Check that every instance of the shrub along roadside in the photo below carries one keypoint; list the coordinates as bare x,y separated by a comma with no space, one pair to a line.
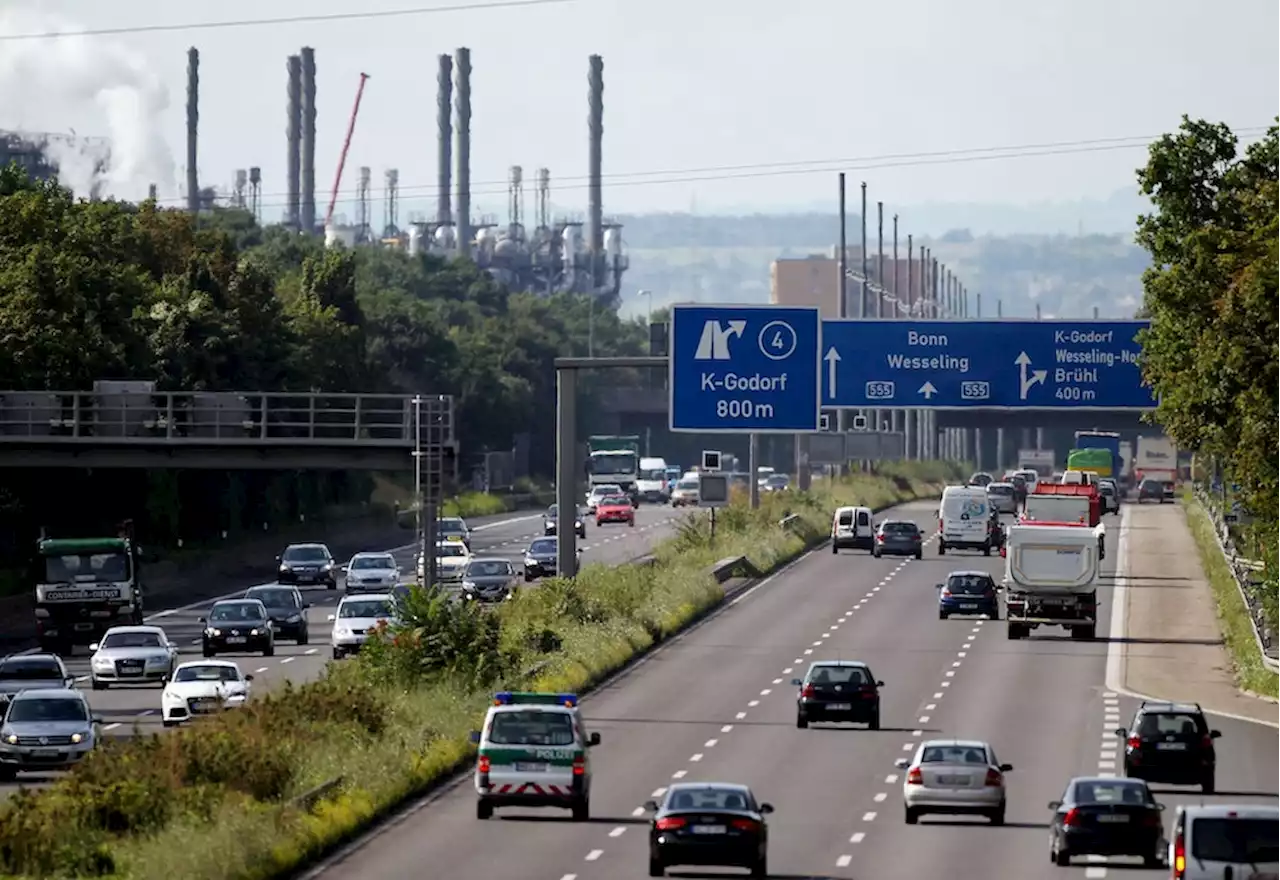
220,800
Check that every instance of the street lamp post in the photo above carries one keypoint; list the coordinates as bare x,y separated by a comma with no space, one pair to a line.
419,521
648,295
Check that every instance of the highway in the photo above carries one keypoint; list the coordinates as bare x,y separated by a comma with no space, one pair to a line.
716,704
121,708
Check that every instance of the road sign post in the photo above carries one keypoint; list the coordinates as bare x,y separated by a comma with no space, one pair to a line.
745,369
1077,365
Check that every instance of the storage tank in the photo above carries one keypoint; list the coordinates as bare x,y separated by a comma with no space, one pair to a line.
415,239
445,238
485,240
335,235
613,242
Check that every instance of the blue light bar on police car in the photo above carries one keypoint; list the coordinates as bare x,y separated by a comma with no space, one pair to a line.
534,698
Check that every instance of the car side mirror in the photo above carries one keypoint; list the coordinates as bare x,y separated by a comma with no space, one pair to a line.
249,677
1159,807
1005,768
96,719
938,586
331,618
94,647
202,620
902,763
594,740
765,809
69,681
1215,734
879,684
797,682
474,737
1121,732
164,680
651,806
342,568
1055,805
277,559
306,605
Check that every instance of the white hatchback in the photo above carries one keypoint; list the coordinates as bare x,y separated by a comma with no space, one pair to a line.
954,777
355,618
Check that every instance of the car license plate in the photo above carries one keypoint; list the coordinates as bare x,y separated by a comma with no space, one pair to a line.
131,670
1171,747
968,606
236,640
708,829
530,767
958,781
839,707
1113,818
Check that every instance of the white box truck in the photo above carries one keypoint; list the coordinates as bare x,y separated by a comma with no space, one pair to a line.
1051,579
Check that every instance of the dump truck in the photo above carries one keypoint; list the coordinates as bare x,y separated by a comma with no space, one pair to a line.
1051,578
1075,503
85,586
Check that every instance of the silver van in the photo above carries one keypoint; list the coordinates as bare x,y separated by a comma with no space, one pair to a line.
1224,840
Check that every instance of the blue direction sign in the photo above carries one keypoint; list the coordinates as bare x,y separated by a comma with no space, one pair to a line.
745,369
983,365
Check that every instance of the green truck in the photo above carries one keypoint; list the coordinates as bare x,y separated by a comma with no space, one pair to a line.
614,459
85,586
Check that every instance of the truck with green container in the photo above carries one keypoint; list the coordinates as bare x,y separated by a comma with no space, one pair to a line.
1101,449
85,586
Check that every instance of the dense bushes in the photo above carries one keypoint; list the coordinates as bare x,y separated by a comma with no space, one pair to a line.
221,800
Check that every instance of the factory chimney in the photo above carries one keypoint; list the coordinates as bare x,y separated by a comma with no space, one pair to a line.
193,126
308,169
293,135
444,122
595,202
462,62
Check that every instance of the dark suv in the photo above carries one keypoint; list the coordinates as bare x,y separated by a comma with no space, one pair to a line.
287,610
1170,743
307,564
838,690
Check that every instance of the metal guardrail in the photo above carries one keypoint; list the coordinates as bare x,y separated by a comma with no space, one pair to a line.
178,418
1245,573
308,800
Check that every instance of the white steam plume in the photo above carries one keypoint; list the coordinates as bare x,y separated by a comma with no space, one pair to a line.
86,85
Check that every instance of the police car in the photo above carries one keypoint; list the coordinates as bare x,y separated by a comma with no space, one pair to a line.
533,753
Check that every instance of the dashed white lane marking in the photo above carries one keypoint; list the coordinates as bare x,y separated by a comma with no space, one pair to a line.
880,796
818,644
288,660
112,726
310,651
858,837
710,744
808,651
891,779
950,673
740,715
787,671
963,654
947,684
777,681
868,817
766,692
930,707
569,877
618,832
594,854
695,758
916,732
843,861
937,696
753,703
680,774
1095,873
260,670
658,792
957,663
906,747
726,728
924,719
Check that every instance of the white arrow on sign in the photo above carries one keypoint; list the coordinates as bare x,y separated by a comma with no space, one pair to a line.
928,390
832,357
1037,376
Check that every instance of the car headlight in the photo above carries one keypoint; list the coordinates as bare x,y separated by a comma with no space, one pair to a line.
235,698
294,618
101,662
211,631
469,585
529,560
11,739
157,661
284,566
77,738
341,631
255,631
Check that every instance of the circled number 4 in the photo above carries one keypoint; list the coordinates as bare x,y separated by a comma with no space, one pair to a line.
778,342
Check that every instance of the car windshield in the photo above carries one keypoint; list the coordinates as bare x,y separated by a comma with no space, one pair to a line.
305,554
710,798
969,584
232,612
601,491
372,563
553,511
33,669
214,672
1106,489
451,550
531,728
778,480
275,598
365,608
1165,723
687,484
1236,840
452,526
953,755
87,568
1117,791
899,528
839,675
999,489
131,640
654,474
1151,484
615,501
488,568
36,709
545,545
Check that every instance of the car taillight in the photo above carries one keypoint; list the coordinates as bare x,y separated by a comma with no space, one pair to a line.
1072,817
1152,820
579,765
994,777
915,777
670,823
946,594
1134,741
880,538
1179,857
482,765
745,824
869,692
1206,742
807,691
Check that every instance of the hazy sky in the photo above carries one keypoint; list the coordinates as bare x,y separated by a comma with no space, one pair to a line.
689,84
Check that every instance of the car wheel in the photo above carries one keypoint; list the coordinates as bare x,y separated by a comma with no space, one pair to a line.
919,554
581,810
1153,861
208,652
304,636
835,548
337,653
333,585
760,868
997,817
1061,857
986,549
7,774
802,722
656,868
269,650
484,809
168,723
1207,784
528,578
875,553
911,816
874,723
942,615
942,549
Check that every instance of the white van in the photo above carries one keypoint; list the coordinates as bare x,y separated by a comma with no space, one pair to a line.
1212,842
964,520
853,527
652,484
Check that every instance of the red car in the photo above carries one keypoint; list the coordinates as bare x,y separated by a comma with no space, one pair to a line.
615,508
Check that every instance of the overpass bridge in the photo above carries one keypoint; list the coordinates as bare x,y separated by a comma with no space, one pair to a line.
225,430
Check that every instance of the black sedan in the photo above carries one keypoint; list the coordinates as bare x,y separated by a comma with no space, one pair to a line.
540,559
836,691
1105,816
896,537
551,522
307,564
287,610
1151,490
709,824
240,626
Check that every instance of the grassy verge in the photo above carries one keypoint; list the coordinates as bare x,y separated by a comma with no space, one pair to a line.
229,798
1233,617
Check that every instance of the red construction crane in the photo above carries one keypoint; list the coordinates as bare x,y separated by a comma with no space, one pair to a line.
346,145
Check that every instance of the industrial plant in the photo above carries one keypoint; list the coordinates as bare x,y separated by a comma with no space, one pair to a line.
531,251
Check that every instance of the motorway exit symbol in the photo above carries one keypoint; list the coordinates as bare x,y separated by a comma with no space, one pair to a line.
745,369
983,365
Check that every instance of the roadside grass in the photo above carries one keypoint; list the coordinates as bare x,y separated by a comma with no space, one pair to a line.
228,799
1233,616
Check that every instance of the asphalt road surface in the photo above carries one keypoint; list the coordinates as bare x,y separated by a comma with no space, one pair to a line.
123,708
716,704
